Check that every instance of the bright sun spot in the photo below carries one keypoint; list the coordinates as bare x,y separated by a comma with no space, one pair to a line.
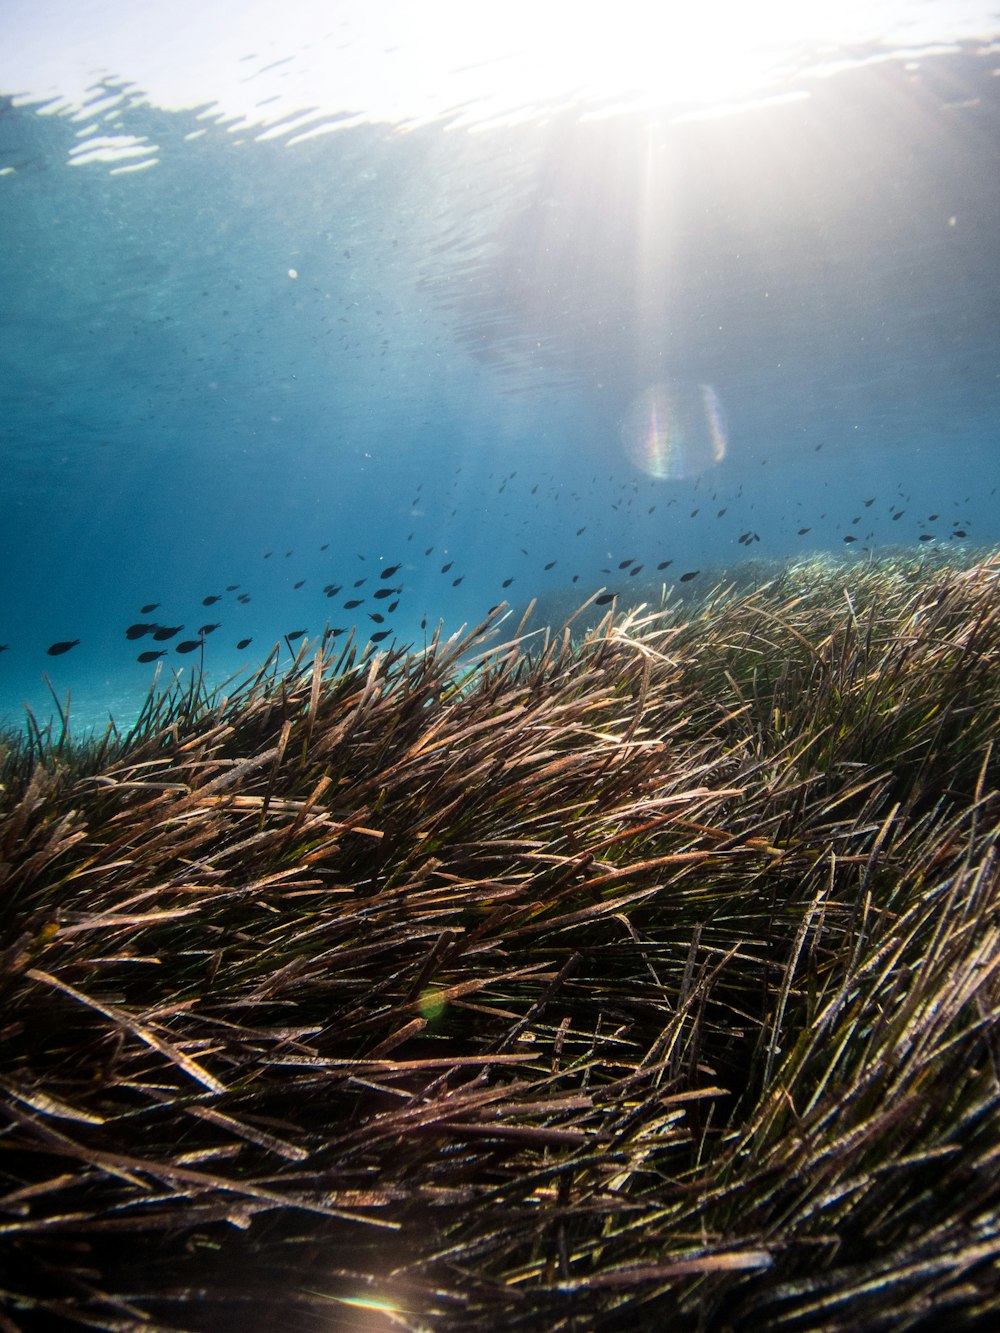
259,63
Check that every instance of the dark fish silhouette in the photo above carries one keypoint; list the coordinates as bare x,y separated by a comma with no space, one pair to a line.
927,536
960,532
392,606
382,593
388,572
210,601
506,583
355,601
244,643
299,584
691,574
148,609
663,564
377,617
151,656
849,538
296,634
63,646
869,503
803,531
624,564
604,599
137,631
207,629
164,632
188,645
4,647
231,587
445,568
551,565
382,634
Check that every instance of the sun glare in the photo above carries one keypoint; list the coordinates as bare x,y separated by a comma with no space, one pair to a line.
471,62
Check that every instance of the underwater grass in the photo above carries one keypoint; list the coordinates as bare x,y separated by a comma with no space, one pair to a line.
646,976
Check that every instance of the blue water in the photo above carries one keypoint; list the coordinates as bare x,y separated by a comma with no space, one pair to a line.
529,352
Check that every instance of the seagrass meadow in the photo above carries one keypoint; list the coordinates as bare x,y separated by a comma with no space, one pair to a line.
642,975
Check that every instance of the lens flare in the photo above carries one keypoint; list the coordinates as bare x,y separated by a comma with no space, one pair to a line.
675,430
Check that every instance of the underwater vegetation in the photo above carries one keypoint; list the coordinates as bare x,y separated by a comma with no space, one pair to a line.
643,975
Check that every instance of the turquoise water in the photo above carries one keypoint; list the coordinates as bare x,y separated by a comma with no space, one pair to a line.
512,357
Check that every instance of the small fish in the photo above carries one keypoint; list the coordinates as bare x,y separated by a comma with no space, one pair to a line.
151,656
380,635
637,569
231,587
4,647
389,570
691,574
899,514
164,632
849,538
624,564
960,532
188,646
325,546
63,646
445,568
551,565
296,634
720,513
300,584
207,629
359,583
392,606
663,564
382,593
694,513
869,503
927,536
931,517
803,531
148,609
456,582
210,601
604,599
244,598
377,617
355,601
244,643
137,631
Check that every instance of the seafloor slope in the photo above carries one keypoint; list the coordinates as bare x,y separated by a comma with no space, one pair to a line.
643,978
